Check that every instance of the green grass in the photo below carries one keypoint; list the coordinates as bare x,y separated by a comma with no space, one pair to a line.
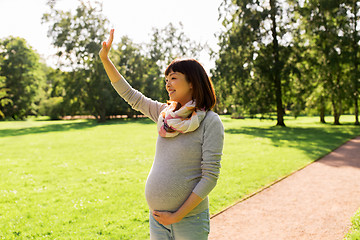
257,153
82,180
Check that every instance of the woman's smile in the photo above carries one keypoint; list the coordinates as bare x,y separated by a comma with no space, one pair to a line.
178,88
171,92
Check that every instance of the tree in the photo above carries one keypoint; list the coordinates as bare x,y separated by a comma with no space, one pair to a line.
52,101
166,45
351,9
254,54
307,87
4,100
130,62
23,77
326,24
78,37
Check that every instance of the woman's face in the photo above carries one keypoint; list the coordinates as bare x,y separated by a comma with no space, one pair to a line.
178,88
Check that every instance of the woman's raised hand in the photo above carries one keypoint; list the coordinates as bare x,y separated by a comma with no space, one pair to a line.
107,45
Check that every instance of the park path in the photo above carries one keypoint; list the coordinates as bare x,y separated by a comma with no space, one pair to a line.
315,203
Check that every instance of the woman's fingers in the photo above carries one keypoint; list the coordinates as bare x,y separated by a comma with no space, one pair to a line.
107,45
111,38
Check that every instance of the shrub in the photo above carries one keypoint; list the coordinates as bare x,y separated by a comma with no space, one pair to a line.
355,229
52,107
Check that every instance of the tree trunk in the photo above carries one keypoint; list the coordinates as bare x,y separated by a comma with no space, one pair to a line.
337,113
355,73
322,116
356,110
102,114
277,70
322,110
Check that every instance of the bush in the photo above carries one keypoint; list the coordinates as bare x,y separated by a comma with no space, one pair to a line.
355,229
52,107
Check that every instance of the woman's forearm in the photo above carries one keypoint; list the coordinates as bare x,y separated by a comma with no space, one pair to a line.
192,201
111,70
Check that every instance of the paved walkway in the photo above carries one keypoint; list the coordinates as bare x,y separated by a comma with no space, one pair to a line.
315,203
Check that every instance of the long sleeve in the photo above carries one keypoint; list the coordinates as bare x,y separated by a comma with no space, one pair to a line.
211,155
138,101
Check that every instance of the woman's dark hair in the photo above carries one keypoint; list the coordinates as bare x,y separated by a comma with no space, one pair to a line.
203,89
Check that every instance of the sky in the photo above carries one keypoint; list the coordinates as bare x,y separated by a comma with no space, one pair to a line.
134,18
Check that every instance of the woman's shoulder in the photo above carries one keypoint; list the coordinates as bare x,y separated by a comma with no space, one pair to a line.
213,127
212,118
212,115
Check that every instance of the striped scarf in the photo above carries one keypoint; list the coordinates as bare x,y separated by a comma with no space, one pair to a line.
175,119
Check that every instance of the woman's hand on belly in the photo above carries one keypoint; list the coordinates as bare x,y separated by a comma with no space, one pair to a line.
165,218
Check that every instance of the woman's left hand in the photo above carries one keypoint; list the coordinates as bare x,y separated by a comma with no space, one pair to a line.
165,218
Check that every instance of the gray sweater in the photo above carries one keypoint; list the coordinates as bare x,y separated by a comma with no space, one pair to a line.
183,164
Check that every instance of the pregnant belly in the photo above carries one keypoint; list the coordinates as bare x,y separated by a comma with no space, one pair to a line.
167,190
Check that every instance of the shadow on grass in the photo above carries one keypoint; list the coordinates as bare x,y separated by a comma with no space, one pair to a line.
60,126
316,142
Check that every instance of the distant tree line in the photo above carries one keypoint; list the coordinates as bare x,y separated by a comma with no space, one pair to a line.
29,87
276,56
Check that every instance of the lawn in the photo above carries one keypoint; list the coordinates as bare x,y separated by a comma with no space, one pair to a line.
77,179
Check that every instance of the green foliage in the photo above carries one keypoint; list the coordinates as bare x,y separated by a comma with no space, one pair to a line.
350,50
298,56
82,180
4,100
52,107
170,43
166,44
254,60
354,233
78,36
304,53
21,78
329,43
132,64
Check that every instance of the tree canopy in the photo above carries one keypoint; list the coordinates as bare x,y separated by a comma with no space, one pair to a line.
288,56
21,78
276,57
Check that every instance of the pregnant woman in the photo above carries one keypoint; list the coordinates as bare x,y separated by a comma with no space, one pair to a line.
188,149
